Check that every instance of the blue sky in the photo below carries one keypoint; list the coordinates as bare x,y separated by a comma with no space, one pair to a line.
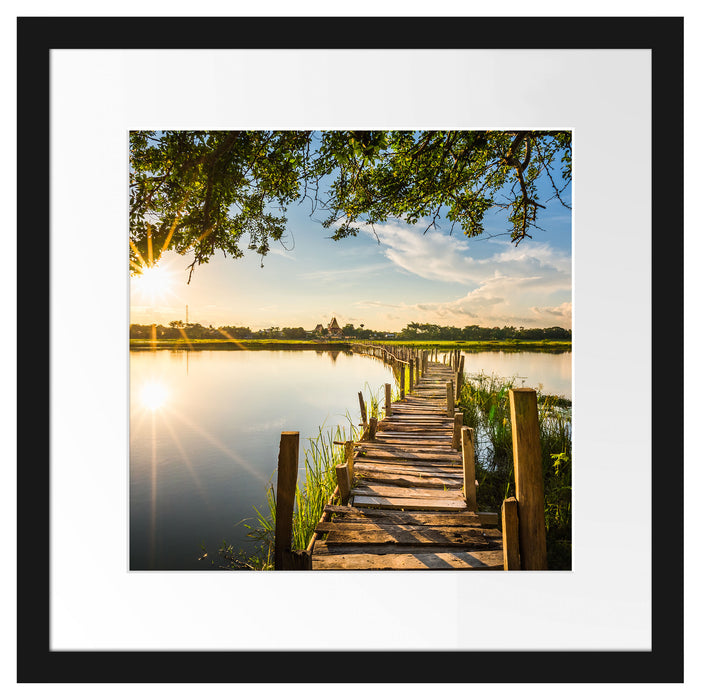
384,284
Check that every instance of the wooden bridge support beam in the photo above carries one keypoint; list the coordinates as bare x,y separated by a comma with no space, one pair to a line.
529,487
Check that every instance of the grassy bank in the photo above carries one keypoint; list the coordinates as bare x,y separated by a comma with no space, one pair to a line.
484,401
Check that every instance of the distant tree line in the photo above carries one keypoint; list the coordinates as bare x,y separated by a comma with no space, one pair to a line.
413,331
430,331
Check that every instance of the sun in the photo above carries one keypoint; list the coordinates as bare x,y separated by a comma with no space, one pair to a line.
153,282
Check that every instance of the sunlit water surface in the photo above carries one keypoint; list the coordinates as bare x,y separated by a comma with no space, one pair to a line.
205,429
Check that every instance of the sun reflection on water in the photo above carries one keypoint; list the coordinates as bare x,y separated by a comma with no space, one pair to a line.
153,395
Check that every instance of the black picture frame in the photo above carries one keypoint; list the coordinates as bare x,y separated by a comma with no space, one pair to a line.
37,36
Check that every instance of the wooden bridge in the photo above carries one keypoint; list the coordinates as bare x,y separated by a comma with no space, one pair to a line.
406,493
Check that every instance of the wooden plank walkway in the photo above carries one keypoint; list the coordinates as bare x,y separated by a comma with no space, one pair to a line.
407,508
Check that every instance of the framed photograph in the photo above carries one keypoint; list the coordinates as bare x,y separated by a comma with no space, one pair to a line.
107,107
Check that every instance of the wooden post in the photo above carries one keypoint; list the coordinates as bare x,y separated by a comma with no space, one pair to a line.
402,380
529,487
461,364
457,385
468,459
389,410
412,377
450,400
511,538
343,481
362,406
349,454
373,422
285,496
456,434
417,368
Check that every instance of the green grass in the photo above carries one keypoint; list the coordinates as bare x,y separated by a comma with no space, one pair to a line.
312,493
485,403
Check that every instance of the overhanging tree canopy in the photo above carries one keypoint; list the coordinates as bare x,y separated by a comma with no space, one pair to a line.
200,192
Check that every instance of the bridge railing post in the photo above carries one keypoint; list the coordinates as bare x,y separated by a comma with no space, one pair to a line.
529,486
285,498
468,461
450,400
373,423
362,407
349,454
389,410
456,433
511,537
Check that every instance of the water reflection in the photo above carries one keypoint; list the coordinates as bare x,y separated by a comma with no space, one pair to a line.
548,372
204,434
205,429
153,395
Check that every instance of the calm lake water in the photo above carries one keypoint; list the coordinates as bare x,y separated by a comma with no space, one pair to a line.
205,429
546,371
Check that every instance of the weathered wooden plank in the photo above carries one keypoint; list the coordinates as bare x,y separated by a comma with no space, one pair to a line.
417,470
411,428
430,424
442,443
404,449
488,519
420,535
422,559
420,503
411,436
429,421
407,462
379,515
410,480
434,456
369,489
445,448
333,548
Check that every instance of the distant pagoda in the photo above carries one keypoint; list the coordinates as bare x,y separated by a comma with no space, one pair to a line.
333,328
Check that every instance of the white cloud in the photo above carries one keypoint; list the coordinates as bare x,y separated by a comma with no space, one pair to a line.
439,256
512,285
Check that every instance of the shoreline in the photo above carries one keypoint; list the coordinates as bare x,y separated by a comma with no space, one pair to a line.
274,344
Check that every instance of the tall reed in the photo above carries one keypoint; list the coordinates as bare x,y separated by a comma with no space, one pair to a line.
484,400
